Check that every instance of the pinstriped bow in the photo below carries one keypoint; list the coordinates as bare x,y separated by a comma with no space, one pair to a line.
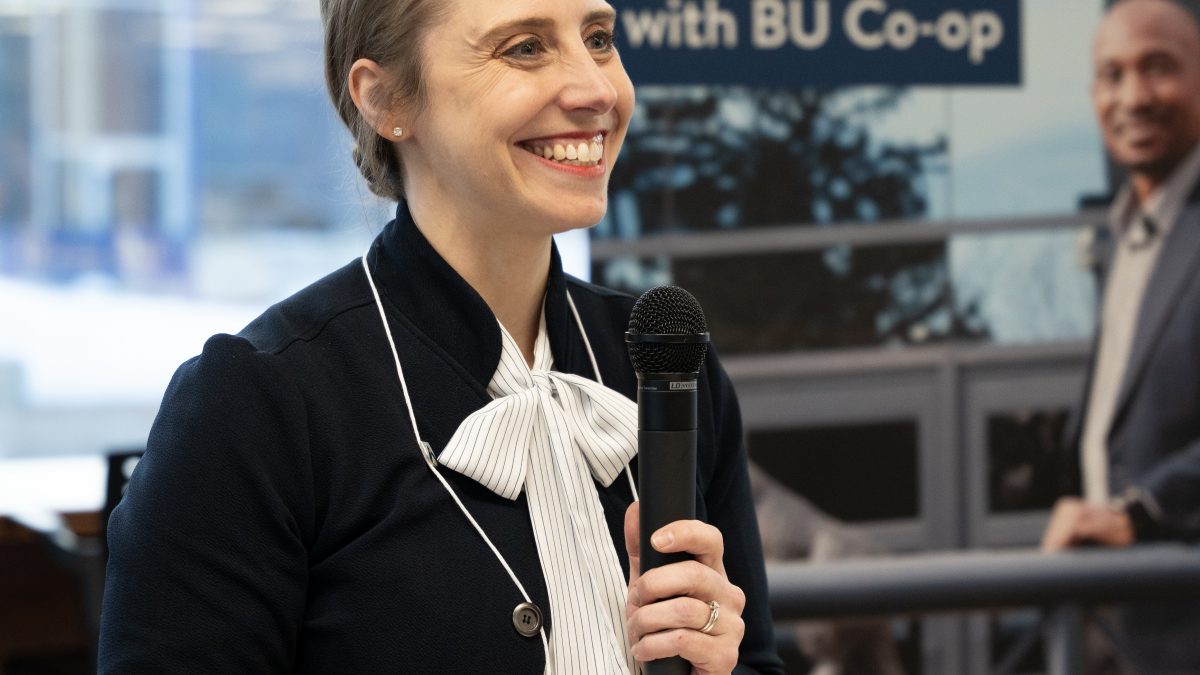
550,434
492,444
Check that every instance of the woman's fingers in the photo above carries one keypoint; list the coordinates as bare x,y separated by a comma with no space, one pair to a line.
669,606
632,537
692,536
706,653
681,613
685,579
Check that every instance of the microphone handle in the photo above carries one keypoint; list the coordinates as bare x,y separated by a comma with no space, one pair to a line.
666,481
666,486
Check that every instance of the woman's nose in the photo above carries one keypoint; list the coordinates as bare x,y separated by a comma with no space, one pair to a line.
586,85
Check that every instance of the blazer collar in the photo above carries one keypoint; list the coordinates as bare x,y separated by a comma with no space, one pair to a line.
441,305
1174,269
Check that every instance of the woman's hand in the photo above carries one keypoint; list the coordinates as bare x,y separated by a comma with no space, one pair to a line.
668,606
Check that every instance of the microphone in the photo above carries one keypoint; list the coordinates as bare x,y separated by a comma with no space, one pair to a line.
667,341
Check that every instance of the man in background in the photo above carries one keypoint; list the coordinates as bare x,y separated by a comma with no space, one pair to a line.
1138,461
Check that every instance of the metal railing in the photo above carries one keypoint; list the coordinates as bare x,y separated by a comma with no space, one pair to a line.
1061,584
794,238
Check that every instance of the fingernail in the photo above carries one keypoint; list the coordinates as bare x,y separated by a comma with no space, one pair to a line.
661,540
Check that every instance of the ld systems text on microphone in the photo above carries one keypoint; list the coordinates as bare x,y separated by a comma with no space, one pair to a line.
667,341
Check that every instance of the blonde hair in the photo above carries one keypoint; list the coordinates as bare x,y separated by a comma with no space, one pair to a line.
388,32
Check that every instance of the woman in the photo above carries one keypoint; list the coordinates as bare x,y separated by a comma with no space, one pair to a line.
412,465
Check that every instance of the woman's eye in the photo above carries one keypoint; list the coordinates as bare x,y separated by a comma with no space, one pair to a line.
525,49
601,40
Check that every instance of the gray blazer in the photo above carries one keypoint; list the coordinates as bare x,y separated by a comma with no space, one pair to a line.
1154,440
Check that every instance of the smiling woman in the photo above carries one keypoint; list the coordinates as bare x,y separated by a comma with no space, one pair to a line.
416,463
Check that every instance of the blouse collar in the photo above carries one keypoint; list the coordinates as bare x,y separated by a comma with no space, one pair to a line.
439,303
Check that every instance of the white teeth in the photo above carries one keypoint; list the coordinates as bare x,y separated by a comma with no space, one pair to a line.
581,154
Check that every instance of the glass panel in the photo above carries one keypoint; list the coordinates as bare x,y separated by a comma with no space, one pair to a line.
131,72
135,198
1004,288
878,459
1025,454
632,275
269,151
840,297
1028,286
701,159
15,131
141,256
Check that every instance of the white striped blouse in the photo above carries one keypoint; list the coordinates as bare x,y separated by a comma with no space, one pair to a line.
550,433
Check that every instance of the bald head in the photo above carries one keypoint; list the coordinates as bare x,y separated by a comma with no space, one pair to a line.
1146,87
1168,18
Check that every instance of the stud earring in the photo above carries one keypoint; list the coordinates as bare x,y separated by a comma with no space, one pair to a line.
398,132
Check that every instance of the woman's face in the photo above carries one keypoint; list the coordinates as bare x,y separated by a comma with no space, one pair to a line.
508,84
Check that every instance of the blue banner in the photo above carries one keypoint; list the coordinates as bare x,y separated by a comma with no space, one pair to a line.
790,43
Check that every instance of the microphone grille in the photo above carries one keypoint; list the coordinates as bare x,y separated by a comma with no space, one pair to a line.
667,310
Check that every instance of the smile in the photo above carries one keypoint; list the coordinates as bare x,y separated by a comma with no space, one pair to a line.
572,152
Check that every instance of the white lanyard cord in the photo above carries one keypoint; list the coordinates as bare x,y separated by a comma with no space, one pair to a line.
599,379
427,450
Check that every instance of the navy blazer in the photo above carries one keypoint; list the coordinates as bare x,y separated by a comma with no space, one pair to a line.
284,520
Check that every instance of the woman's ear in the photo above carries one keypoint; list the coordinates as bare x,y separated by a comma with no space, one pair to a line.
368,84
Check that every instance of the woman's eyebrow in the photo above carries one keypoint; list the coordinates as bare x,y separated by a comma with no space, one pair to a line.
606,14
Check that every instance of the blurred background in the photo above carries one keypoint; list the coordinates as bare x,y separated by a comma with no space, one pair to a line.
899,277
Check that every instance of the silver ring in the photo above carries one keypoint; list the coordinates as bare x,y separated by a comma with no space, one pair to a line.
714,611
